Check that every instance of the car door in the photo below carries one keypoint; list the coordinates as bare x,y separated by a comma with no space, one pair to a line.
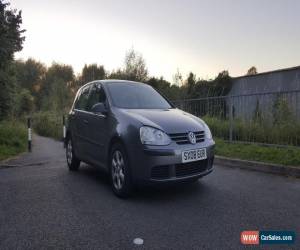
98,127
80,121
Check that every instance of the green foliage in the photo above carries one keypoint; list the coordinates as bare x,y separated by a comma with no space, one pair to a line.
24,103
11,40
221,84
283,155
252,71
56,94
218,127
92,72
7,91
48,124
283,133
190,82
135,67
117,74
30,75
281,111
13,138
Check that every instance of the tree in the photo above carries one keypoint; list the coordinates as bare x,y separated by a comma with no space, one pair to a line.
221,84
252,71
135,67
56,93
92,72
11,38
178,79
117,74
154,82
11,41
190,83
24,103
30,75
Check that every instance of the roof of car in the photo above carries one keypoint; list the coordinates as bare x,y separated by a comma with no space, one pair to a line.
116,81
111,81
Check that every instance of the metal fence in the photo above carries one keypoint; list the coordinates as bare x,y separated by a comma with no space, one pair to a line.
269,118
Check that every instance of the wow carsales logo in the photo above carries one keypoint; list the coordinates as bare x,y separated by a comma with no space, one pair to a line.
267,237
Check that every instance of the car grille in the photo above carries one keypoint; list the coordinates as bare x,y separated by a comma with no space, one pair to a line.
180,170
160,172
190,168
182,138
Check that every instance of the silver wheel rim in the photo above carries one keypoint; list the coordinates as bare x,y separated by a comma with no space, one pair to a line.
69,152
117,170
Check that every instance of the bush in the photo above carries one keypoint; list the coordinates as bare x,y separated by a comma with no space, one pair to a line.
48,124
218,127
285,133
13,138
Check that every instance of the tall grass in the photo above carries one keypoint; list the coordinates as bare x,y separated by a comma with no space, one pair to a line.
13,138
285,133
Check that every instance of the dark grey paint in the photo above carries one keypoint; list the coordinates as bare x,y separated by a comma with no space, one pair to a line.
94,133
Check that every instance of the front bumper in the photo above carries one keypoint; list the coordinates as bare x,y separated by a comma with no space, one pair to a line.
163,164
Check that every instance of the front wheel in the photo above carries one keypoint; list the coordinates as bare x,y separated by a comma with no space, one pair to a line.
72,160
119,172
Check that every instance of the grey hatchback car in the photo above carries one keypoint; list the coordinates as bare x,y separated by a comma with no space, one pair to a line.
136,135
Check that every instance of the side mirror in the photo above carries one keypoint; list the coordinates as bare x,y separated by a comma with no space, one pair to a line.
99,108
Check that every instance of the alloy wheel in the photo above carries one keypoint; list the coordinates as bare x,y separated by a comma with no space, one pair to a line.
69,152
117,170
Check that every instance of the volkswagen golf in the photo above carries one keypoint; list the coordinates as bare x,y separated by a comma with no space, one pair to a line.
136,135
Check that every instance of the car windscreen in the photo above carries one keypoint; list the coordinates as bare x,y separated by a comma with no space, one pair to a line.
136,96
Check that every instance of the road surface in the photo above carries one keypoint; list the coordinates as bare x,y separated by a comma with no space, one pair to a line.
43,205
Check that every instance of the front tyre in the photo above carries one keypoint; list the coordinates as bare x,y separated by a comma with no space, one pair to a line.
72,160
119,171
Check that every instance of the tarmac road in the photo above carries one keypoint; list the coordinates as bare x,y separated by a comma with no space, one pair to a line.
43,205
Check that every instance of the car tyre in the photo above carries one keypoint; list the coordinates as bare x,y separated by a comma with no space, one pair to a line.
72,160
120,175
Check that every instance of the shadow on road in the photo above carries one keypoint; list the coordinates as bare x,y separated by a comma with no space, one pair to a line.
152,193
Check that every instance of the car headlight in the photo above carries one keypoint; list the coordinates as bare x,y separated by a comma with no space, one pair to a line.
208,134
153,136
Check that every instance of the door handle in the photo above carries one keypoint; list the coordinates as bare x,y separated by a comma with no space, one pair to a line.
85,121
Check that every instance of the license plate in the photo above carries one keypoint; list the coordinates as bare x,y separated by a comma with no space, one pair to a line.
193,155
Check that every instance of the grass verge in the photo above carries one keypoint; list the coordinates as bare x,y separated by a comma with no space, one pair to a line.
13,139
284,156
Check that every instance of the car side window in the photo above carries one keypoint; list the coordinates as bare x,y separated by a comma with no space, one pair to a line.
97,95
82,101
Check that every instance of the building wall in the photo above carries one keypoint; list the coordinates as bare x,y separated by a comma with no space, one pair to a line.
259,85
275,81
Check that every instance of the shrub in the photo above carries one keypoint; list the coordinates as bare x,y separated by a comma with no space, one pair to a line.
13,138
285,133
48,124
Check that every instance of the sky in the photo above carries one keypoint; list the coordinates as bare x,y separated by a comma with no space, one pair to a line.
204,37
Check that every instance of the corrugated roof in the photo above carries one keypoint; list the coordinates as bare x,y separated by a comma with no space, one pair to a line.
269,72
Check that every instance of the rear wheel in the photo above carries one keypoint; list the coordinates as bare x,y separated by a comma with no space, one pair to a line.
119,171
72,160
